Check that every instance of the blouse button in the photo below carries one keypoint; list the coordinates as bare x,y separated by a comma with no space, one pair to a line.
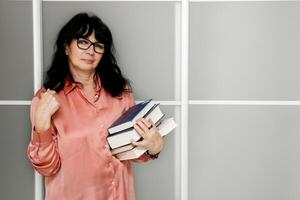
113,183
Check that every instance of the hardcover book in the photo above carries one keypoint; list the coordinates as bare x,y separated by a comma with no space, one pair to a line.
124,137
127,119
164,128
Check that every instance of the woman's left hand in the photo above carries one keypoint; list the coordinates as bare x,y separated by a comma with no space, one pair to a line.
152,140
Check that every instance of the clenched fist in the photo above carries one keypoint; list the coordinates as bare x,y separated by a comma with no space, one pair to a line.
45,108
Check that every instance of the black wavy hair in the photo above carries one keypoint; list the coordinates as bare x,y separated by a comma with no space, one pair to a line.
82,26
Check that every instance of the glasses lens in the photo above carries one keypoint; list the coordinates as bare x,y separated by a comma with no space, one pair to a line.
99,47
83,44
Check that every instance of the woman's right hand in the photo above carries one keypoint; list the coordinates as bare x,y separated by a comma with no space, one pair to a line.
46,107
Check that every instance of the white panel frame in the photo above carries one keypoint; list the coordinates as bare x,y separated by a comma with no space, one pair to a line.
177,92
181,102
184,98
38,75
14,102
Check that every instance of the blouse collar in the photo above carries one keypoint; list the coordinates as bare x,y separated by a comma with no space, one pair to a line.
70,85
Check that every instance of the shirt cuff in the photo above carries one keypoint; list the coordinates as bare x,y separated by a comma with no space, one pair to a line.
42,136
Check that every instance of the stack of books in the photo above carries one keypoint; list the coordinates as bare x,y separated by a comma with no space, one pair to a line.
121,132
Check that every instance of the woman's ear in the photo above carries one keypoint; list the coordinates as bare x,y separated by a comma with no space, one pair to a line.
66,49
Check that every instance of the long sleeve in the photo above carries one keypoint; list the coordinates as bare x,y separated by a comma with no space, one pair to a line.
42,150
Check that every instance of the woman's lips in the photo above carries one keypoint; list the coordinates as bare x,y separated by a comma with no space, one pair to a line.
88,61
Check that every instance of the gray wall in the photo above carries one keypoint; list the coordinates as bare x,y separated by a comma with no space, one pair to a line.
16,83
244,51
238,51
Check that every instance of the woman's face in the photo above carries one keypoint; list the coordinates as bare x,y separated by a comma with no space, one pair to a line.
83,60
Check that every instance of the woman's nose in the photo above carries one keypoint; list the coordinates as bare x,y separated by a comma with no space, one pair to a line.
91,50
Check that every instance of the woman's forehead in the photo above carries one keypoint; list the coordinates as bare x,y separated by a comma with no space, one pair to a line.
93,35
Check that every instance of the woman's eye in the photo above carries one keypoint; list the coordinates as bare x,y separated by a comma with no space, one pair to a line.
99,45
83,42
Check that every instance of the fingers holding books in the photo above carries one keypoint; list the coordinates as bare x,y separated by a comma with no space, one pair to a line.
141,128
145,127
152,125
152,140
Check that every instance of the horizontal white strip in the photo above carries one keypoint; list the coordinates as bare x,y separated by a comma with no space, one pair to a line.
111,0
231,102
158,0
241,0
243,102
10,102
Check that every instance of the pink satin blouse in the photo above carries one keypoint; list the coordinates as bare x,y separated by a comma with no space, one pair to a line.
73,153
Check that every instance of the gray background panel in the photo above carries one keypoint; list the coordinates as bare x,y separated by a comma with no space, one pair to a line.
16,52
244,50
17,175
244,152
155,179
143,34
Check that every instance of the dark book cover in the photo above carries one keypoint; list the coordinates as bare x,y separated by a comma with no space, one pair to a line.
125,120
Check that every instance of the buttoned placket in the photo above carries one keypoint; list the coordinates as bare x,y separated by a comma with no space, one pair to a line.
94,102
106,146
109,159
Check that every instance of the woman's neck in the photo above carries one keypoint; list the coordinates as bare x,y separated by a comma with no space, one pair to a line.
86,79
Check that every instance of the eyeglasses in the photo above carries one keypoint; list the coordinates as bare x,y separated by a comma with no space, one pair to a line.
85,44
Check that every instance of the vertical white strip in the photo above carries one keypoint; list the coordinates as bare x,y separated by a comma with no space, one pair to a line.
177,88
184,97
37,43
37,65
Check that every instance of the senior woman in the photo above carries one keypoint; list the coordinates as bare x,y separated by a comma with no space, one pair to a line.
83,94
